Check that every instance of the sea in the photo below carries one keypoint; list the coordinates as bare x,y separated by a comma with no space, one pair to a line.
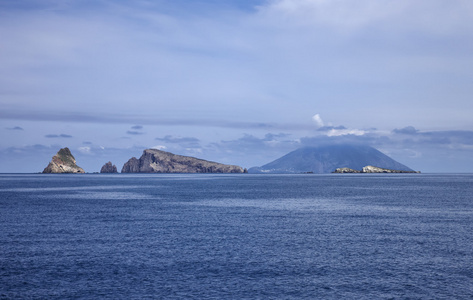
236,236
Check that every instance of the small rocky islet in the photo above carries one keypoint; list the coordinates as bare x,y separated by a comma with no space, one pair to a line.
63,162
109,168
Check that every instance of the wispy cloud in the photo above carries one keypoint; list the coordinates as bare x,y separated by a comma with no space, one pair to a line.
136,130
410,130
186,142
177,140
148,120
85,150
14,128
131,132
269,144
55,136
450,138
329,128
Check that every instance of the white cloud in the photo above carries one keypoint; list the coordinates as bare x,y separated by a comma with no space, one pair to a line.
318,120
159,147
340,132
85,150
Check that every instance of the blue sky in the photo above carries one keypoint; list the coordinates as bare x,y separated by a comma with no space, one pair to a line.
239,82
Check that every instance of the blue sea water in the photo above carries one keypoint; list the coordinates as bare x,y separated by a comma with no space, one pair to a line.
238,236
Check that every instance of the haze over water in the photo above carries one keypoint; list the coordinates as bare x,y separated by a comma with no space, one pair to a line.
236,236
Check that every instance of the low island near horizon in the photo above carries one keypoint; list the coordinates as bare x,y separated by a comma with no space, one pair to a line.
371,169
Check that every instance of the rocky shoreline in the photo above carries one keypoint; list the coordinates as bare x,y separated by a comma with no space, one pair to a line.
371,169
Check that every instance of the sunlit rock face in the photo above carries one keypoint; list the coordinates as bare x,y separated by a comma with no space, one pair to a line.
63,162
373,169
157,161
346,170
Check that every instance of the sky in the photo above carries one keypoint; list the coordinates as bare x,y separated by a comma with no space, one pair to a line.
237,82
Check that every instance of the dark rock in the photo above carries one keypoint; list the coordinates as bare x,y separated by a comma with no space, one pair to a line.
157,161
131,166
109,168
63,162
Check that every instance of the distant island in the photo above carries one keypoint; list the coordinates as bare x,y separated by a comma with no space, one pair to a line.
371,169
325,159
319,160
157,161
63,162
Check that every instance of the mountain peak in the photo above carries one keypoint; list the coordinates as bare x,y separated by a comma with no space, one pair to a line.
327,158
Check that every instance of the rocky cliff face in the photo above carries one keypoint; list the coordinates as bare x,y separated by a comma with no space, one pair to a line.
63,162
109,168
131,166
157,161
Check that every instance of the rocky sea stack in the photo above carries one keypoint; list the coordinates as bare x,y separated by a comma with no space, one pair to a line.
109,168
63,162
157,161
